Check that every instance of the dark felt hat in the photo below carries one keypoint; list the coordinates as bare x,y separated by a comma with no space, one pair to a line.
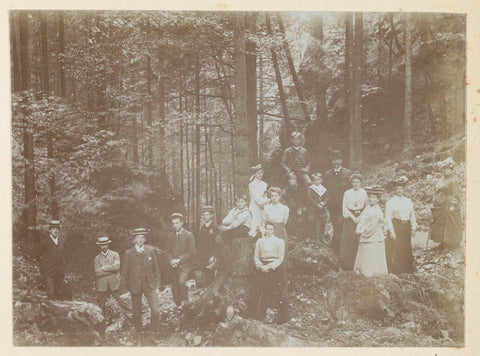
336,154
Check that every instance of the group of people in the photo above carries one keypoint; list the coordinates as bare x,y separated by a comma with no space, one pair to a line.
364,239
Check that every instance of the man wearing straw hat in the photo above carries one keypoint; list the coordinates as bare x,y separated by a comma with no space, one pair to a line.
50,252
140,275
107,271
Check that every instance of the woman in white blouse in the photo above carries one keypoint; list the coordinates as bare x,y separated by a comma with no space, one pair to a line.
354,201
400,223
277,213
258,197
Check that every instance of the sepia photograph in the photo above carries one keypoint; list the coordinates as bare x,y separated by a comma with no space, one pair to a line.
238,178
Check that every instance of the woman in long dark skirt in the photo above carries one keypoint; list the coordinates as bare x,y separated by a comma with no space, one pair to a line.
400,224
446,225
354,201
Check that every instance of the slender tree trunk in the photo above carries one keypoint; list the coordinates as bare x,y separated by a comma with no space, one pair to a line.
16,74
161,117
182,162
135,139
189,182
251,70
379,64
278,76
350,110
260,94
198,188
321,87
61,52
148,106
242,147
293,72
358,81
408,85
30,212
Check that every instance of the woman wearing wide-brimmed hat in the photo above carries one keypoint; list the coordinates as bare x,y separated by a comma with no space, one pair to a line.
446,224
277,213
354,201
370,259
400,223
258,197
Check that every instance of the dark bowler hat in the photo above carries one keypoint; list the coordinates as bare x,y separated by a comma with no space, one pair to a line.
103,240
376,190
256,168
207,208
177,216
54,223
140,231
402,180
336,154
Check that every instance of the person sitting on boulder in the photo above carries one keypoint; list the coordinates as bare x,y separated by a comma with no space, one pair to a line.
237,224
318,197
269,285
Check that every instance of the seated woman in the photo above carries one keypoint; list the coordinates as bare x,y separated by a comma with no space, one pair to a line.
237,224
400,223
446,225
371,247
270,277
354,201
277,213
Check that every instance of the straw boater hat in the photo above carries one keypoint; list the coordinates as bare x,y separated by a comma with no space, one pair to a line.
177,216
256,168
140,231
376,190
207,208
54,223
103,240
336,154
402,180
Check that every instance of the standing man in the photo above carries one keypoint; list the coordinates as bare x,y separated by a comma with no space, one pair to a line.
337,181
206,242
181,254
50,253
140,275
107,271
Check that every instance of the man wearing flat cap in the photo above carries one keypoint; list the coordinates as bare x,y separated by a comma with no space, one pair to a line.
140,275
206,236
337,181
50,253
107,271
181,252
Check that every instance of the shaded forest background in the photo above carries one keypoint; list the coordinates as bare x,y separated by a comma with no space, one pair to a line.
121,118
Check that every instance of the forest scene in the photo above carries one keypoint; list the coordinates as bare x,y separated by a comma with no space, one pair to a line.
122,118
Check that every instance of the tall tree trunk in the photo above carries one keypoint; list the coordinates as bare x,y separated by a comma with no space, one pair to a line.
46,92
16,74
379,64
161,116
148,106
321,87
135,139
350,109
189,181
251,69
408,84
61,52
30,212
198,188
182,162
242,146
101,81
260,95
278,76
293,72
357,95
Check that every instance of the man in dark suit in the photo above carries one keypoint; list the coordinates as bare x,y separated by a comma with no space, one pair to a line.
107,271
206,242
181,250
50,253
140,274
337,181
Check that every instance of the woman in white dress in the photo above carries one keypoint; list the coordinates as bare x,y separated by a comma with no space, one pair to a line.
277,213
371,257
258,197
